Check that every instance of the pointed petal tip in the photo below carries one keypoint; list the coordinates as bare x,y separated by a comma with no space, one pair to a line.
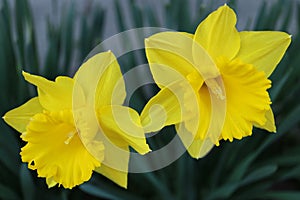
109,52
273,130
111,55
124,186
145,151
225,6
285,35
197,156
288,37
25,75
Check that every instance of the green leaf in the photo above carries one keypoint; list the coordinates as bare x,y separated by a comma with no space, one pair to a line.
260,173
290,120
52,54
7,193
280,195
276,89
27,185
66,33
288,18
252,191
9,151
291,173
106,192
229,188
241,168
223,192
151,17
120,18
136,14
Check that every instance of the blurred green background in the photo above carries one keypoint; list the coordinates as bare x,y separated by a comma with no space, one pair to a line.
263,166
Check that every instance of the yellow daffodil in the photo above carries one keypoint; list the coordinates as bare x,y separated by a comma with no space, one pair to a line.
228,72
98,95
56,139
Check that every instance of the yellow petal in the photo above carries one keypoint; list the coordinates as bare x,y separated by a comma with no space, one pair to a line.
115,164
98,82
247,98
218,35
173,104
119,177
55,150
19,117
169,53
50,182
200,148
197,148
123,127
100,77
161,110
111,86
53,96
263,49
201,133
204,63
205,113
270,123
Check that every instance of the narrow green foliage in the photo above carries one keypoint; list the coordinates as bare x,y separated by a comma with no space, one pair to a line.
27,184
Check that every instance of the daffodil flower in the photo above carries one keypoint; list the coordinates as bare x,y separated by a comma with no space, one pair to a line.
59,145
228,72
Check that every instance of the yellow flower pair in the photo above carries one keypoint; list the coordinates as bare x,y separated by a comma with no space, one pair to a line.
213,86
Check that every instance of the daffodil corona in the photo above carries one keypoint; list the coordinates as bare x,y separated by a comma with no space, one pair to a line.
228,73
61,146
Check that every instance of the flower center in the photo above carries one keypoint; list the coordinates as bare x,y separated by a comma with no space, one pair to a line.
214,86
70,136
64,120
